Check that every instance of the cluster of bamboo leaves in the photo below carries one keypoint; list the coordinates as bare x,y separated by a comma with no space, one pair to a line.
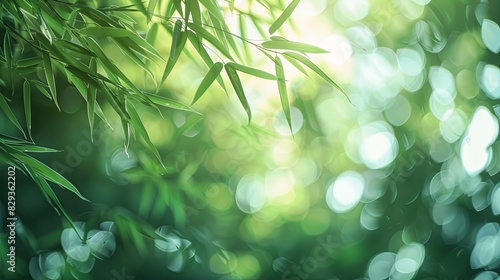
63,40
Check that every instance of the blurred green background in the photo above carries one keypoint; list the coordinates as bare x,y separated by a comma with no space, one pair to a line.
398,181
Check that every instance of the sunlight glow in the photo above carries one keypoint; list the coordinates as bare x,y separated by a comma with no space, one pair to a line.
345,193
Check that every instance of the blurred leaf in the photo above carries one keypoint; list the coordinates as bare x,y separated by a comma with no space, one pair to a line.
292,46
213,9
282,90
252,71
102,244
212,74
91,100
238,88
284,16
33,149
151,9
8,112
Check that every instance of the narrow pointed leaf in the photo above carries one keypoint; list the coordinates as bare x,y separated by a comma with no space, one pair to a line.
204,34
292,46
27,106
8,112
91,100
238,88
179,38
213,9
212,74
151,9
167,102
252,71
194,8
282,90
141,130
302,59
283,17
49,75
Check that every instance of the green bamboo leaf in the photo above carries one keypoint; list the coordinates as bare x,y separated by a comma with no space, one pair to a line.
47,173
304,60
292,46
297,65
49,75
167,102
42,89
27,106
212,74
194,7
140,5
8,55
8,112
91,100
213,9
282,90
151,9
204,34
29,62
204,55
105,31
252,71
179,38
141,130
284,16
152,33
73,47
238,88
34,149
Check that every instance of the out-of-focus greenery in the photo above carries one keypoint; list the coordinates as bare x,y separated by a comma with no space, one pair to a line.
345,139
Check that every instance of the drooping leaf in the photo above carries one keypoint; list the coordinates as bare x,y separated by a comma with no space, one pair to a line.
49,75
8,112
302,59
282,90
27,106
141,130
252,71
91,100
238,88
283,17
292,46
213,9
204,34
45,171
212,74
179,38
167,102
194,7
204,55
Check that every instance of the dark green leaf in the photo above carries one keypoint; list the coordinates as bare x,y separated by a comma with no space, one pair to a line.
284,16
91,100
8,112
49,75
212,74
27,106
167,102
238,88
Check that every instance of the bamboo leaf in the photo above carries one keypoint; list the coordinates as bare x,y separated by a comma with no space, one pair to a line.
194,7
204,34
151,9
91,100
252,71
167,102
27,62
302,59
8,112
292,46
213,9
238,88
283,17
33,149
204,55
27,106
141,130
179,38
49,75
45,171
212,74
282,90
